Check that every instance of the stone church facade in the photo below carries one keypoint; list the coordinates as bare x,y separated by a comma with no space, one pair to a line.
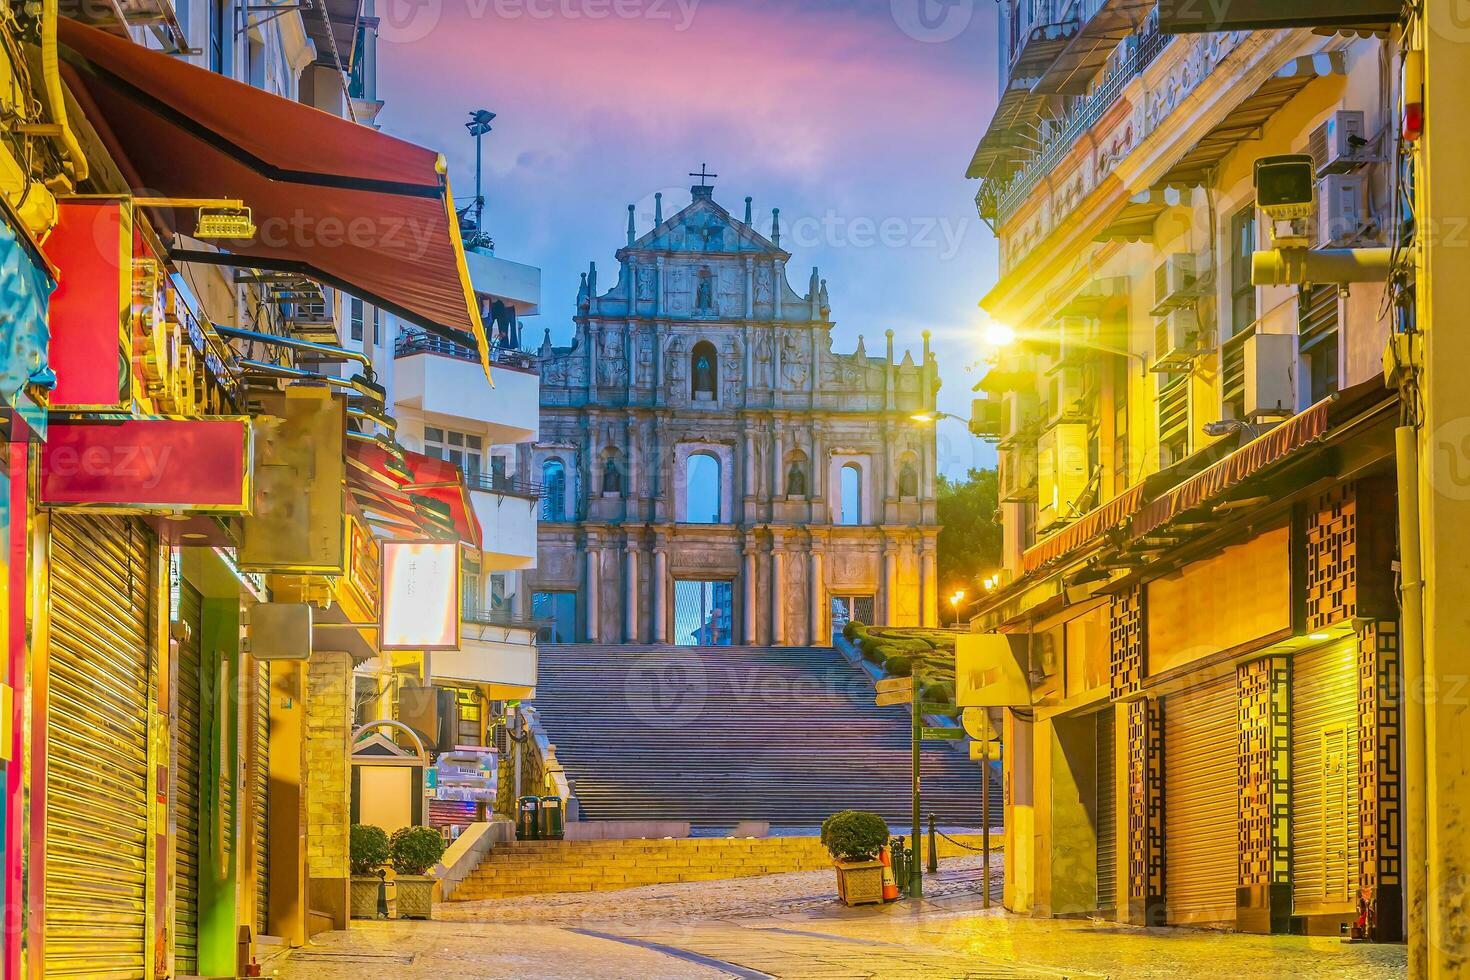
700,374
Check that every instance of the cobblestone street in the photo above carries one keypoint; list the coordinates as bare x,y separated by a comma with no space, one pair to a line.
791,926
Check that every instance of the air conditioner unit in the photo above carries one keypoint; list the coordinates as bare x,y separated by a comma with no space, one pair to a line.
1018,474
987,417
1270,376
1339,145
1176,339
1176,282
1341,209
432,712
1061,473
1078,337
1067,390
1019,414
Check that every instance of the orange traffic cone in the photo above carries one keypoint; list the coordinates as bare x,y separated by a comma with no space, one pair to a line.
890,884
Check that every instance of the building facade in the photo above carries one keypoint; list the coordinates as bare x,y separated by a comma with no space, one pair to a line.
1196,477
713,471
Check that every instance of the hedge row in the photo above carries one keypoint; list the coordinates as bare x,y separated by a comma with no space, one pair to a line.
895,649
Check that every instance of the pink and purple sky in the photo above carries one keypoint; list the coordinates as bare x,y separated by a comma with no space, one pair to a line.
856,118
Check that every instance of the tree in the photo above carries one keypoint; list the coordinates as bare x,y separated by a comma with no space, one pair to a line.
970,535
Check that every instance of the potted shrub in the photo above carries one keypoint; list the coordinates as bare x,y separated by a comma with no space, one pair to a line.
367,853
855,838
414,850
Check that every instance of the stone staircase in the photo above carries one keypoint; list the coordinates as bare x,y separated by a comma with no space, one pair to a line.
714,736
547,867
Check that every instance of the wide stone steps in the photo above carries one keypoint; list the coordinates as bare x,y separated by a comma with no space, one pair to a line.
549,867
715,736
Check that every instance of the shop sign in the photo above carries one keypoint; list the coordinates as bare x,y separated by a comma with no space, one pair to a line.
990,671
420,590
148,464
92,247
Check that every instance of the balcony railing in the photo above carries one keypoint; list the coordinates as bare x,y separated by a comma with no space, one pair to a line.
504,485
1084,115
413,342
500,616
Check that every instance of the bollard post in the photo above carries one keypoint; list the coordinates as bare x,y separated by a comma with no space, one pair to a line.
933,848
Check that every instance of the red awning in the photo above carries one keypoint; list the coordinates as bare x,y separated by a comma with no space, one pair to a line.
411,494
1084,530
1254,456
342,203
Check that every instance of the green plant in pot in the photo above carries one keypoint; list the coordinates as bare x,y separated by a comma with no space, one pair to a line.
414,851
855,839
367,852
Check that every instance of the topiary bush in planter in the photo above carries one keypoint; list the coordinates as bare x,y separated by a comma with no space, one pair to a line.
855,839
899,666
414,851
367,852
854,835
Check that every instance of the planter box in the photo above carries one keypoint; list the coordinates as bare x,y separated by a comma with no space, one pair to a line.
365,897
860,882
416,896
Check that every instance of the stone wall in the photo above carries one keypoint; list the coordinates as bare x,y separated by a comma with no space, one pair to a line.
328,774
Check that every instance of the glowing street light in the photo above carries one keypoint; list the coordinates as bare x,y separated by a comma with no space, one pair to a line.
954,602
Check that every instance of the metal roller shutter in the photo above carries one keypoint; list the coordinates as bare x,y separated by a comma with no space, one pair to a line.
1107,815
97,748
1324,778
262,794
186,787
1201,745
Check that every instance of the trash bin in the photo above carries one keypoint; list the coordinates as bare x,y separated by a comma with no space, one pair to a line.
528,818
551,818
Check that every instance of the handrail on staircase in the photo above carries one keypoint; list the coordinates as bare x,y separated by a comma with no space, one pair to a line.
550,766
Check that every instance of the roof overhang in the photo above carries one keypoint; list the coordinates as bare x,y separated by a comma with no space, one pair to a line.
1074,67
1193,17
1135,223
1246,120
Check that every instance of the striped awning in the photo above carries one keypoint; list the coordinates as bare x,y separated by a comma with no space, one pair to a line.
1085,530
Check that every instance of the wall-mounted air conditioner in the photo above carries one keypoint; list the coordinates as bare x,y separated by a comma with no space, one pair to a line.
987,417
1061,473
1019,413
1018,474
1270,376
1078,337
1177,339
1340,143
1176,282
1068,390
1341,209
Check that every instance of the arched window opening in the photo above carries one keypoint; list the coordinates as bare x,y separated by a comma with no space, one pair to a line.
702,489
704,371
553,491
852,494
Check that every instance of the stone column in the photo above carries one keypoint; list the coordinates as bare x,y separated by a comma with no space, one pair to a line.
658,287
778,596
630,596
749,301
817,614
929,587
660,586
594,610
890,583
778,286
778,460
747,605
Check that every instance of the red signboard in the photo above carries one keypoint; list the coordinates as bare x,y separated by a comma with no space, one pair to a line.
143,464
92,249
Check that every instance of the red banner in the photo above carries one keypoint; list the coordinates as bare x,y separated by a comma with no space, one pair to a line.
147,464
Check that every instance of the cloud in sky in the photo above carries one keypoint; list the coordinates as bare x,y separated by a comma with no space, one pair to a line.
855,117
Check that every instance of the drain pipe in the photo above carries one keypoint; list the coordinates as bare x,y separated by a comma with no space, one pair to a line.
55,95
1413,695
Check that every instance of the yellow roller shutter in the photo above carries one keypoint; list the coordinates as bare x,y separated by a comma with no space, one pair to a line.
1324,780
261,801
97,748
1201,866
186,785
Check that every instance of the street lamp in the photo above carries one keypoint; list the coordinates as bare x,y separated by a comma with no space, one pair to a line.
935,417
954,602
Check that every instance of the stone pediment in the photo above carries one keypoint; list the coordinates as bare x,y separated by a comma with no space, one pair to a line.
705,228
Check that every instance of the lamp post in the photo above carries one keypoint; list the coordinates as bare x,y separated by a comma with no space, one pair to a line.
954,602
478,126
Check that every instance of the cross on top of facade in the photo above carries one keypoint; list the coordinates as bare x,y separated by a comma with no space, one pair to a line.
704,175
